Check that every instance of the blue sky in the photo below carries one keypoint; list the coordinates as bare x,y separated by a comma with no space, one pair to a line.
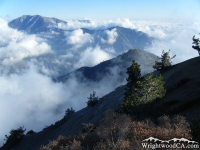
101,9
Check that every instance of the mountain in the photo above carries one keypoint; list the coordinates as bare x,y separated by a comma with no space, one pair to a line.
182,85
114,67
34,24
48,28
70,45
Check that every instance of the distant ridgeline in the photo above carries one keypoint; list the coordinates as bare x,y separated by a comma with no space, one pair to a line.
70,52
119,64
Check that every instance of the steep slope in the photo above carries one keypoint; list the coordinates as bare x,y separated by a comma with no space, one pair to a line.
182,97
114,67
72,125
182,84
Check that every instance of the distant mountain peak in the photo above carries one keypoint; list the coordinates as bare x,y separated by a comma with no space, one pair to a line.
33,24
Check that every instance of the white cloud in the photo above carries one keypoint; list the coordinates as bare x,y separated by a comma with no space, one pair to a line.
29,99
178,38
95,24
78,38
67,55
112,36
33,100
170,34
92,56
15,45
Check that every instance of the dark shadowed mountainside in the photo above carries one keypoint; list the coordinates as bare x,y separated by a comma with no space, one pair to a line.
183,88
119,63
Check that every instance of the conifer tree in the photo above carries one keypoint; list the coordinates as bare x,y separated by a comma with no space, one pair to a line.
150,88
134,73
92,100
142,90
69,111
14,137
165,62
196,43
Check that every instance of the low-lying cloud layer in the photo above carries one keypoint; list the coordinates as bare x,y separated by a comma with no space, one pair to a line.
112,36
92,56
78,38
175,35
15,45
29,100
32,99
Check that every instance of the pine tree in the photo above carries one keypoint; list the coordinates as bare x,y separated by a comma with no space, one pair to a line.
150,88
134,73
140,91
165,62
14,137
196,43
92,100
69,111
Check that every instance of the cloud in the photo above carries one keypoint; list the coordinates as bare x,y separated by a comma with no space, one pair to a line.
92,56
178,38
15,45
175,35
95,24
112,36
30,99
33,100
78,38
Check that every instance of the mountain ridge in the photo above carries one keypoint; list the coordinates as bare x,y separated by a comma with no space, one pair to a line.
177,101
111,41
123,61
33,24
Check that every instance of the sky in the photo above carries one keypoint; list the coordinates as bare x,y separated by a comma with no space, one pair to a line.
102,9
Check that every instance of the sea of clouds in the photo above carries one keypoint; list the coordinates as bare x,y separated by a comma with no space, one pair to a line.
175,35
30,98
